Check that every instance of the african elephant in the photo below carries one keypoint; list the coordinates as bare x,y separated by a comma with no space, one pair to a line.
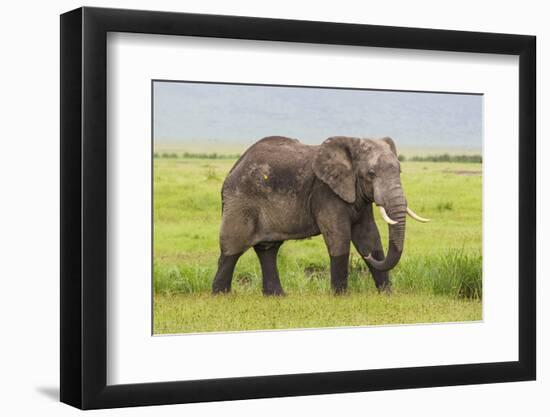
282,189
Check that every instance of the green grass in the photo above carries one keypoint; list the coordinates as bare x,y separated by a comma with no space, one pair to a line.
235,312
438,278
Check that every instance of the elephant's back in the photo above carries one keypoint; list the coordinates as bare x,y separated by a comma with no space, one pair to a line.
267,192
273,148
273,165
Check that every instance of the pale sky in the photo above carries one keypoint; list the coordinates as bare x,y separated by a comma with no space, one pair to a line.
190,112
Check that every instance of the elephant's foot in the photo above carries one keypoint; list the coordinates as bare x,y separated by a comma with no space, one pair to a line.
384,288
274,292
272,286
221,290
340,291
224,275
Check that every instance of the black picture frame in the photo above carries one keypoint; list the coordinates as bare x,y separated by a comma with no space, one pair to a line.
84,207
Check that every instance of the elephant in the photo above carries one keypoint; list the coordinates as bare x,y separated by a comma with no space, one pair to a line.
281,189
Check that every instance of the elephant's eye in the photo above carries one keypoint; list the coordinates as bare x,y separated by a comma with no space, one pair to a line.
372,174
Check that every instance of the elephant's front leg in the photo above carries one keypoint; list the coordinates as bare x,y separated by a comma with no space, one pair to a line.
339,272
336,231
366,239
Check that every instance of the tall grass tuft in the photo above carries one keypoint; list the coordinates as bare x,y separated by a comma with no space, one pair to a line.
182,279
455,273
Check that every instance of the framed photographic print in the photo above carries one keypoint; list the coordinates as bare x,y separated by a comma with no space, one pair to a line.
258,207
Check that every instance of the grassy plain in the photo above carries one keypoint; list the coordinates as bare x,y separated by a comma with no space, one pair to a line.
437,280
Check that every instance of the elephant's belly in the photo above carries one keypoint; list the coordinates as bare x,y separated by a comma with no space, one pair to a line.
285,220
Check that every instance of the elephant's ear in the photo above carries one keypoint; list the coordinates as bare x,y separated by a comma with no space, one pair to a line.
334,166
390,142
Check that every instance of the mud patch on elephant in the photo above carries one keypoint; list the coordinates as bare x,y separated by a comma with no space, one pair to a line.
462,172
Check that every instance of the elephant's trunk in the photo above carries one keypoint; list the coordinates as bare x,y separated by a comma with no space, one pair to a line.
397,211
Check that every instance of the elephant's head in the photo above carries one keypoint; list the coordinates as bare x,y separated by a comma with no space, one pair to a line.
368,170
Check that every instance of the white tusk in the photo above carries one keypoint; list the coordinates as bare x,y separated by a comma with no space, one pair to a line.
385,216
416,216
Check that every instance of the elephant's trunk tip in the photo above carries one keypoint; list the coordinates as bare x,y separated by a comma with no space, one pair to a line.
391,260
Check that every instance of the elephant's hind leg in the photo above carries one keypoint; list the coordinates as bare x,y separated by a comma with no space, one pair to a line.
236,235
226,267
267,253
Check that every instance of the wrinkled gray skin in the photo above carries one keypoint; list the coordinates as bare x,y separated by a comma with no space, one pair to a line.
281,189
